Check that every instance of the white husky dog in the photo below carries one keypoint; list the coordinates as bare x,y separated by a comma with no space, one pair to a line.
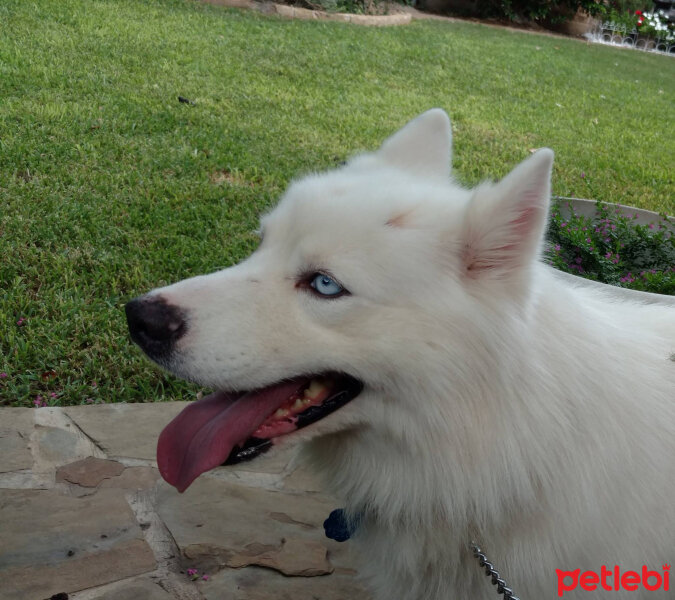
445,382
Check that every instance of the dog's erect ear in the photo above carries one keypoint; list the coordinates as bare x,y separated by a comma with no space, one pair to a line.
505,222
423,146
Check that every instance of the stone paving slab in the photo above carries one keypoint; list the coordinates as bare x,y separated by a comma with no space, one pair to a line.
217,523
53,543
84,512
119,434
89,472
15,429
138,588
255,583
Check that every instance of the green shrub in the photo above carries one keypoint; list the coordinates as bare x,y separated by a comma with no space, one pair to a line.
629,6
555,11
627,19
612,248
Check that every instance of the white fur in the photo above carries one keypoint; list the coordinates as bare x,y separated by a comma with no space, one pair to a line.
501,404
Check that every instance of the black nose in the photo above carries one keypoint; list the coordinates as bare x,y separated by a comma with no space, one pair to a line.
154,324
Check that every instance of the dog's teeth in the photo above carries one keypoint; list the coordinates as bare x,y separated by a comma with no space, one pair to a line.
281,413
298,404
316,386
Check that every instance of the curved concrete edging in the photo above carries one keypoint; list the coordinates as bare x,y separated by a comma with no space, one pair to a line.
616,292
294,12
586,208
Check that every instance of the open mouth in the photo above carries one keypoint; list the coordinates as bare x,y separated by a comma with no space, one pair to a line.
227,428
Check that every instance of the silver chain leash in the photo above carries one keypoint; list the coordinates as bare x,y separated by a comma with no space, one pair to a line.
490,571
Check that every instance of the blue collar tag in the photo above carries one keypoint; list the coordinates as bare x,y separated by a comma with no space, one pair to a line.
338,527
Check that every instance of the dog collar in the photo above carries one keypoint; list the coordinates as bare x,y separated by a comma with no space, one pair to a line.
490,571
340,528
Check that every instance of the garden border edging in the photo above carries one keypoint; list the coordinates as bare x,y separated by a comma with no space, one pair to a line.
306,14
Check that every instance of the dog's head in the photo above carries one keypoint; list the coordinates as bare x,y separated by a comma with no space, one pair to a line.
365,277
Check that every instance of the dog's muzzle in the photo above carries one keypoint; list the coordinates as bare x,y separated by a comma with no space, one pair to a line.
155,325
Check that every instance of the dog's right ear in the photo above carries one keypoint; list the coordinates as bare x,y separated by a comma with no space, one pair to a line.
423,146
504,223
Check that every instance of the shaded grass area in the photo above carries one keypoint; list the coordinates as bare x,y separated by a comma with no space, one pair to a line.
109,186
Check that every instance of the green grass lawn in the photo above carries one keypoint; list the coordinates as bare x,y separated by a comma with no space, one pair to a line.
109,186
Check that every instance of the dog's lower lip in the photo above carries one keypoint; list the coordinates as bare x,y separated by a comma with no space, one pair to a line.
255,446
252,447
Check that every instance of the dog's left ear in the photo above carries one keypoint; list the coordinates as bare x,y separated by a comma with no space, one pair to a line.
423,146
505,222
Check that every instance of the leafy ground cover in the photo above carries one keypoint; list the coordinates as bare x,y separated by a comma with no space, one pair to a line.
110,186
611,247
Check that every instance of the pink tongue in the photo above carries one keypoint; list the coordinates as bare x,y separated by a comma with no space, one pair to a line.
202,436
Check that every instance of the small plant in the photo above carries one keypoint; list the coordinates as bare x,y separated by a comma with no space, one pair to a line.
194,575
612,248
622,18
647,23
655,25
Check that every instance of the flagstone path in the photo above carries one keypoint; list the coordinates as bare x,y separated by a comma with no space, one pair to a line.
84,515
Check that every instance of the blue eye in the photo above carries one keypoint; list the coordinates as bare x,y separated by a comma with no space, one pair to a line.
326,285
